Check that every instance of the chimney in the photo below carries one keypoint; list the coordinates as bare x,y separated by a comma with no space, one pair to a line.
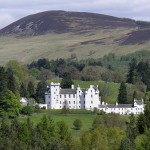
72,86
116,103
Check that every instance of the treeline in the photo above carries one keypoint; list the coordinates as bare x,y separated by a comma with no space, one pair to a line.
85,70
110,68
16,82
139,72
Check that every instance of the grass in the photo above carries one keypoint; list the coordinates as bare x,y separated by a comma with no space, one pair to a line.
53,46
87,120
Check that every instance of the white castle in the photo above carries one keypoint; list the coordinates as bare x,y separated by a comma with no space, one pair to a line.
81,98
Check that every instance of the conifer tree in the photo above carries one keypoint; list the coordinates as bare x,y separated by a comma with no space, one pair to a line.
132,76
122,96
30,89
11,83
40,91
3,80
23,91
66,81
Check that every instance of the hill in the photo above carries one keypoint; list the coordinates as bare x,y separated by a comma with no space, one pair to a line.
60,34
62,22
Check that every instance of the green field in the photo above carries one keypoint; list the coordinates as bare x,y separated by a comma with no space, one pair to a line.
87,120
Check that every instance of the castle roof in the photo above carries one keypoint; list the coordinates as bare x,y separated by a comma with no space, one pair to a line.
116,106
68,91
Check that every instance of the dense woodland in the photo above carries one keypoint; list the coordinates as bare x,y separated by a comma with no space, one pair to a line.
108,132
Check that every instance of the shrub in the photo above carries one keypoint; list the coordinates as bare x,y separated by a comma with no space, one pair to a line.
77,124
27,110
37,109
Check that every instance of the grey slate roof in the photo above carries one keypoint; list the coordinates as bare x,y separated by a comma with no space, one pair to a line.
68,91
117,106
120,106
139,102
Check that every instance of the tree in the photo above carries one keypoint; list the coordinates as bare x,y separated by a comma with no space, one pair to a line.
126,144
11,82
23,91
91,73
122,96
66,81
40,92
77,124
10,104
27,110
132,131
132,76
3,80
30,89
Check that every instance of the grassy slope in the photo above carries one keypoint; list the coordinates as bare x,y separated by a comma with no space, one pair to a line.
87,120
54,46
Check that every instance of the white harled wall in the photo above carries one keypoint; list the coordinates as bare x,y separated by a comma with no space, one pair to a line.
80,100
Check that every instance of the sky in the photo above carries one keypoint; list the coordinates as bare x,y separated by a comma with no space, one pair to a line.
12,10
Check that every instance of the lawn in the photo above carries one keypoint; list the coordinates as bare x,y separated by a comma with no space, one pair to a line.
87,120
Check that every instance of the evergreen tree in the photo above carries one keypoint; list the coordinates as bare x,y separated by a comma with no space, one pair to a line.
144,73
30,89
132,131
66,81
132,76
11,83
122,96
40,92
23,91
3,80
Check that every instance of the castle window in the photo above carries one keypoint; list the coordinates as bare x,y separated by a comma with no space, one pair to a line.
74,95
60,96
91,102
56,89
79,101
91,91
65,96
60,102
49,97
79,106
74,102
49,102
91,95
84,102
60,106
84,96
69,102
69,95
